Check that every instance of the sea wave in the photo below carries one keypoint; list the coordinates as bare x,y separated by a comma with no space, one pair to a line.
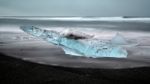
139,19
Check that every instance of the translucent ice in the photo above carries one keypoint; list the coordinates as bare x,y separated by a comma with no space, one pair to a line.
119,39
86,47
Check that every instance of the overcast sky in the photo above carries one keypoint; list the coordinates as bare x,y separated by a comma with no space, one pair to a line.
74,7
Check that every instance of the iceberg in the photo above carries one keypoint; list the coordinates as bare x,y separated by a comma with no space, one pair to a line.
87,47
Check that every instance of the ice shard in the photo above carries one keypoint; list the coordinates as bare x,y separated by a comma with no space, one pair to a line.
86,47
119,40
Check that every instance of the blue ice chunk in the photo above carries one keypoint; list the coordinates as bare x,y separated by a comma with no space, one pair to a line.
88,49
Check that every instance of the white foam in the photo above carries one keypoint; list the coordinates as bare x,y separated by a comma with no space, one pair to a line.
134,19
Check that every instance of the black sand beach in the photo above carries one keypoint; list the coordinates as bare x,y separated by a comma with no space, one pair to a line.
26,60
17,71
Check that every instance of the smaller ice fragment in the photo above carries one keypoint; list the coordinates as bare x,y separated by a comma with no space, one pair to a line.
118,39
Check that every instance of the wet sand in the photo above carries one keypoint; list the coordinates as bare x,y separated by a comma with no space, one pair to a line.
44,53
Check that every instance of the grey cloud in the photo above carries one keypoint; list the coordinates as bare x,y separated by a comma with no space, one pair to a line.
77,7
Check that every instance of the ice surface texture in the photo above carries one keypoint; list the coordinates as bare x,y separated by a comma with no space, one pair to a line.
87,47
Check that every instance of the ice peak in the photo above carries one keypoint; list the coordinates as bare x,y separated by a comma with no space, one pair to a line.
119,39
